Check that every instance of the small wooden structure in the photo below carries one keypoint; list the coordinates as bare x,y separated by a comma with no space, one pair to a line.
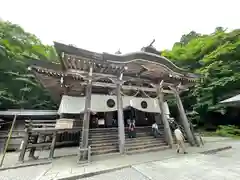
40,134
18,131
82,73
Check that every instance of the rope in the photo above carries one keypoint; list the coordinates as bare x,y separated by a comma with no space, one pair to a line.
148,95
131,96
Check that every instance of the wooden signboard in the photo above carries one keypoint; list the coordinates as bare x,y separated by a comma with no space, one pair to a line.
64,123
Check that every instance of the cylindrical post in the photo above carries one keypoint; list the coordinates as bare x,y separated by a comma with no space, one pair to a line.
86,118
24,145
34,141
184,119
121,129
8,139
52,148
167,130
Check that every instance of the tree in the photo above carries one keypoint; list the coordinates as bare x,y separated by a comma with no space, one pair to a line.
18,87
217,58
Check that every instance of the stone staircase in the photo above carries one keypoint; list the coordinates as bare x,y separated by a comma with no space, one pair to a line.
145,142
105,141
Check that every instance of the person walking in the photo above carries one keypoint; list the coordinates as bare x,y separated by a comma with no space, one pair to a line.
180,140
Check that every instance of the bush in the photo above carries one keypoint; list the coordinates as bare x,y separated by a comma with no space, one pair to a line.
228,131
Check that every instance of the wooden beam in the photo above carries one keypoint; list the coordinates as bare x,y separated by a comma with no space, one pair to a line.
125,87
125,78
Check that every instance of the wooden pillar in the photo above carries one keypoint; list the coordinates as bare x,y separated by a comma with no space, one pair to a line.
121,129
167,130
24,145
86,118
52,147
183,118
33,149
34,141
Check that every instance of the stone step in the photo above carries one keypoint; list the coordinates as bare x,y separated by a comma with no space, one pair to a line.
97,141
105,151
100,141
116,134
135,146
145,146
144,138
103,138
113,143
103,147
108,130
97,130
104,132
158,148
146,142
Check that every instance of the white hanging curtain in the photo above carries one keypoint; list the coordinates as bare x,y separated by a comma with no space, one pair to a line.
75,105
71,105
135,102
99,103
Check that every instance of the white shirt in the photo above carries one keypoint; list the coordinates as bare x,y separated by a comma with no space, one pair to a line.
178,134
101,122
155,126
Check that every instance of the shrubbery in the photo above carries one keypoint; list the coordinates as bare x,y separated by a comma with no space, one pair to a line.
228,131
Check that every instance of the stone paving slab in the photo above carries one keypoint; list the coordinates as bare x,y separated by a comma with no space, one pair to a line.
11,159
126,174
102,166
191,167
27,173
67,167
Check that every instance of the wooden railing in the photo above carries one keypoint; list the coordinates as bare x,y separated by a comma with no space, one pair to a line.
40,134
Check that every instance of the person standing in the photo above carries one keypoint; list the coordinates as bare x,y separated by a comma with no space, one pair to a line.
180,140
155,130
131,129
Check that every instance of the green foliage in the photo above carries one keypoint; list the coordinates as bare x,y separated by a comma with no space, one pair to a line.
216,57
228,131
18,87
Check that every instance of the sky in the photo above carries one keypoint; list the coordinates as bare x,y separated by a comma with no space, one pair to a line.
128,25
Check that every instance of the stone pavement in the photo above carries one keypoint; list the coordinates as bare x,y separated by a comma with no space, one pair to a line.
221,166
66,166
67,169
11,159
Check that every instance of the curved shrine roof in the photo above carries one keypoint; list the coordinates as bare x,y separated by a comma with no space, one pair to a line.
144,64
144,70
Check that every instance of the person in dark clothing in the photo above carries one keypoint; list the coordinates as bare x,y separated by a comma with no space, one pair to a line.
131,129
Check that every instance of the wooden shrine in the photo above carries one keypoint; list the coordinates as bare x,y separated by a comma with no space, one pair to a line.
145,73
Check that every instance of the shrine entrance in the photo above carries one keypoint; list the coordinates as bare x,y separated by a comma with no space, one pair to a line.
141,118
110,120
103,120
